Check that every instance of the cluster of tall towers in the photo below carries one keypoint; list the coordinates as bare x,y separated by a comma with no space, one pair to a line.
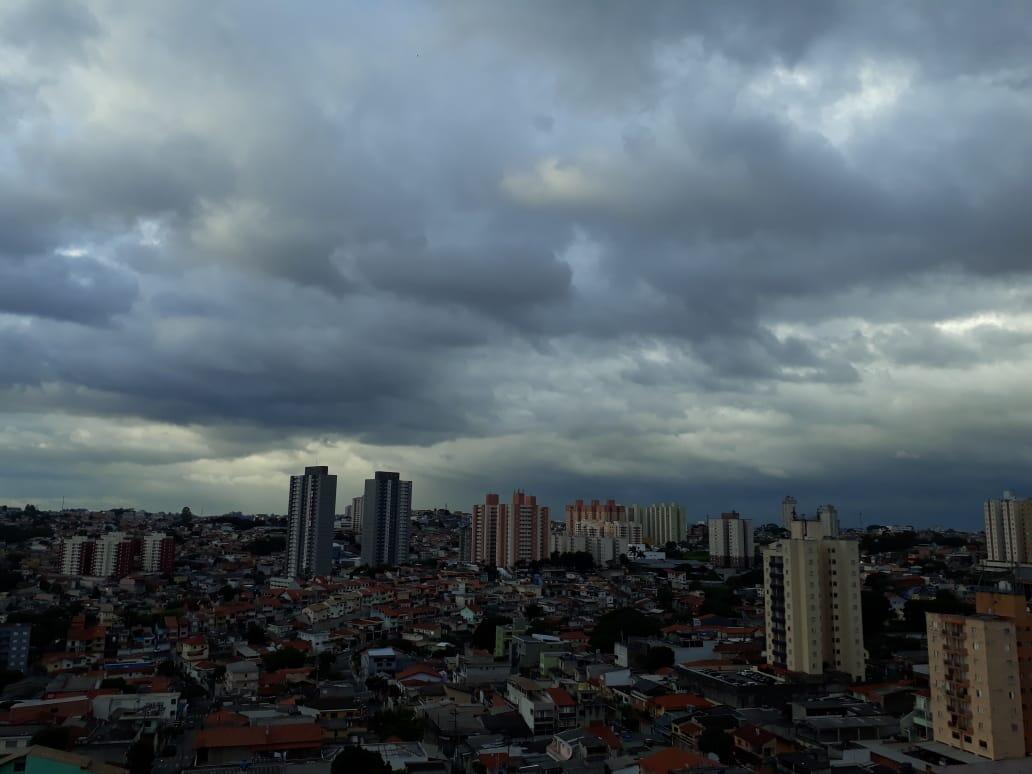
384,511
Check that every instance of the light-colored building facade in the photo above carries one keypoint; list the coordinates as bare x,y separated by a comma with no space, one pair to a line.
812,594
730,540
596,511
1008,529
504,534
627,530
828,516
386,519
788,511
310,515
159,553
661,523
602,549
356,514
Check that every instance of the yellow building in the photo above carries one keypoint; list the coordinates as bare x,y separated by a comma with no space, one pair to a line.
812,601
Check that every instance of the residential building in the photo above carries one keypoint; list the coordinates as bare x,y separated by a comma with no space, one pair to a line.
602,549
1008,529
629,531
980,677
356,514
730,540
812,590
386,519
828,516
14,647
661,523
595,511
788,511
159,553
310,514
77,555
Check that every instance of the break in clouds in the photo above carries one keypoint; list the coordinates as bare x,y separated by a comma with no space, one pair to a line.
711,253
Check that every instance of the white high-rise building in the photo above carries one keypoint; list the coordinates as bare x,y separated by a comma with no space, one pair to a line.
1008,529
159,552
788,511
661,523
356,514
730,540
813,614
386,519
828,516
310,515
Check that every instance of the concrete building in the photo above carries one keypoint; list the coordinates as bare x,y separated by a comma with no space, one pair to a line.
504,534
356,514
626,530
602,549
1008,529
812,590
77,555
14,647
113,555
159,553
310,515
595,511
980,677
661,523
828,516
386,519
788,511
730,540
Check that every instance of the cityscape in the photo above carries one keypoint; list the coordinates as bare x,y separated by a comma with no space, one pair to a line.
616,638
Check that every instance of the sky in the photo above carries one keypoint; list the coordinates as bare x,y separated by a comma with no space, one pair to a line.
711,253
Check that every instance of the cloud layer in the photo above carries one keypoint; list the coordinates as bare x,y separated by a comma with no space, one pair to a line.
704,253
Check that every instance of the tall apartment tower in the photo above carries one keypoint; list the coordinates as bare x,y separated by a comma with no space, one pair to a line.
812,590
1008,529
788,511
661,523
730,540
828,516
159,553
356,514
386,519
77,555
503,534
980,677
310,514
595,511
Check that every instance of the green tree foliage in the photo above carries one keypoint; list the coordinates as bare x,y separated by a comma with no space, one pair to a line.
255,634
484,634
354,759
140,757
618,624
284,658
533,610
401,723
267,545
577,561
720,600
875,611
659,657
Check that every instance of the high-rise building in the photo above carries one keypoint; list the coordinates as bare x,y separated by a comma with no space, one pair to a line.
828,516
386,519
661,523
504,534
812,590
310,514
14,647
117,555
788,511
159,553
356,514
980,677
594,511
628,531
730,540
602,549
1008,529
77,555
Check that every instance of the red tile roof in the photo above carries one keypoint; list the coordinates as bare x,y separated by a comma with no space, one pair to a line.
265,738
672,759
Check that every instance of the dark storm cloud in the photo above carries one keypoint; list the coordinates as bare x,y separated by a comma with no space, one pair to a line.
668,250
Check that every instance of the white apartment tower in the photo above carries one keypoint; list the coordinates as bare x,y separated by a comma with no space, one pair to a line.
661,523
730,540
1008,529
828,516
310,513
788,511
813,614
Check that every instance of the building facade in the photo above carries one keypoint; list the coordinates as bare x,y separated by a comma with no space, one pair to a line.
503,534
788,511
661,523
386,519
980,677
14,647
828,516
730,540
1008,529
159,553
310,515
595,511
812,594
112,555
356,514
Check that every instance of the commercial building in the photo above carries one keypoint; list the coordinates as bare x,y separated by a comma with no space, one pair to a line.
310,514
980,677
730,540
1008,529
661,523
386,519
504,534
813,615
595,511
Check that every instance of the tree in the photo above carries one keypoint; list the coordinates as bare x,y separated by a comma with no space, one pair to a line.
533,610
720,600
284,658
945,602
659,657
665,597
484,634
354,759
401,723
618,624
874,610
228,593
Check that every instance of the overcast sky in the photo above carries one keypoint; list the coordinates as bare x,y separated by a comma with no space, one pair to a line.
705,252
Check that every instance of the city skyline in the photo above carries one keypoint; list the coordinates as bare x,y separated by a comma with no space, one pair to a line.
718,253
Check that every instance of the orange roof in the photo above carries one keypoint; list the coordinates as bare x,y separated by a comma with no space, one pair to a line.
672,759
265,738
223,718
679,701
561,697
606,734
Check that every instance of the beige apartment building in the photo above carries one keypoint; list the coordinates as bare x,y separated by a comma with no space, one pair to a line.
1008,529
812,601
979,675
